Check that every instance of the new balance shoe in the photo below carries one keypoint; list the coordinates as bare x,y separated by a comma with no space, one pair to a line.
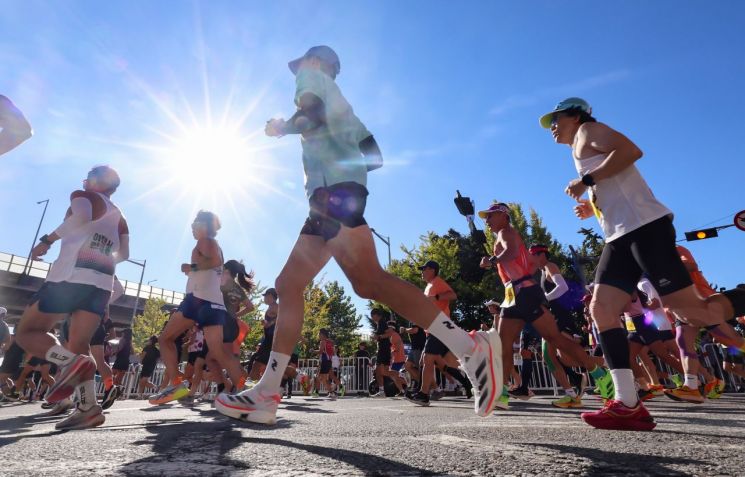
484,369
249,406
567,402
80,369
171,393
616,416
109,396
60,407
80,419
685,394
419,398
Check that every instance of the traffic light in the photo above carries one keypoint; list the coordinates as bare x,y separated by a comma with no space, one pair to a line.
702,234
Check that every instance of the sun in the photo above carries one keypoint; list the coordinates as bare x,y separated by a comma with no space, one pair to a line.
211,156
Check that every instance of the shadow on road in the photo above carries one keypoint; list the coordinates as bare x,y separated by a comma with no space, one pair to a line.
603,462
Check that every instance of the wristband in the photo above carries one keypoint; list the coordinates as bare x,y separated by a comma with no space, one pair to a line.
193,267
45,240
588,180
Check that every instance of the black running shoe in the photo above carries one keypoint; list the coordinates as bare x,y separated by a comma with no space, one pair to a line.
520,393
419,398
110,396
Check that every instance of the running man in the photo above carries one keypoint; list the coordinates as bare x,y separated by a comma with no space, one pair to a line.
417,339
384,359
261,357
523,299
15,129
338,152
555,288
94,237
640,238
203,305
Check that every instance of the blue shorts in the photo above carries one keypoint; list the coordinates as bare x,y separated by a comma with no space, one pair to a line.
65,298
203,312
397,366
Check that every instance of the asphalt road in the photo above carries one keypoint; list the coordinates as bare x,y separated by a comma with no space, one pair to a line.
362,436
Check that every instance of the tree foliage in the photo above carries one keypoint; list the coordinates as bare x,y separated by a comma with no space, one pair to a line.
149,323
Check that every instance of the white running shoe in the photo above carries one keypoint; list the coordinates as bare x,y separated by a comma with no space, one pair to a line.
484,369
250,406
80,419
60,407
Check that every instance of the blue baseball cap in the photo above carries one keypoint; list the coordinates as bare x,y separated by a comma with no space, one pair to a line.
569,103
323,53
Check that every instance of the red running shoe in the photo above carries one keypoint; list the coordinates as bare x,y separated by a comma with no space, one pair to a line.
617,416
80,368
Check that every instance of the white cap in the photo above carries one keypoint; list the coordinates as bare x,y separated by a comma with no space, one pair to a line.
3,312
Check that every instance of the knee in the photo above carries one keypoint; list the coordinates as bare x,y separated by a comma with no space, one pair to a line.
286,284
603,314
366,288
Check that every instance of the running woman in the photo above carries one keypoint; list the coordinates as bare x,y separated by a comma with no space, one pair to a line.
14,127
383,359
523,298
94,238
338,152
203,305
640,238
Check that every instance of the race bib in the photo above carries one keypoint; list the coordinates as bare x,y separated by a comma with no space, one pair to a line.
509,296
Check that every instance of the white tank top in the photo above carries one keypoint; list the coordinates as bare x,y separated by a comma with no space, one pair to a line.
87,253
621,203
205,284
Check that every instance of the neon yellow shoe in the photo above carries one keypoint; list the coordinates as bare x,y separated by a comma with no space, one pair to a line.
171,393
712,389
567,402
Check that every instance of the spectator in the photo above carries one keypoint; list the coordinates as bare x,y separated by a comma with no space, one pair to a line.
361,366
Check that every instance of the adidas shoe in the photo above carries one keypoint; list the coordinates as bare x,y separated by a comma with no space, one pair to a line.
249,406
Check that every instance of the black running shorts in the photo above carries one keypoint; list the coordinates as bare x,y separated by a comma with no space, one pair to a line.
528,305
262,356
333,206
666,335
229,329
645,332
65,298
649,250
434,346
325,365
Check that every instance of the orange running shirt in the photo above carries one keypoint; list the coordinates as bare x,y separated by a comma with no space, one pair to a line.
243,330
438,287
523,264
397,348
701,283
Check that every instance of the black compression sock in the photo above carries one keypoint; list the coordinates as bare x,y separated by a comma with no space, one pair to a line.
615,348
526,371
455,372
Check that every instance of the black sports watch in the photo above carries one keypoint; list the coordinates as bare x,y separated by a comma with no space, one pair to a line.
45,239
588,180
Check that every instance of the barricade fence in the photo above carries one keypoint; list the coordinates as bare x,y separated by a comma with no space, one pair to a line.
355,374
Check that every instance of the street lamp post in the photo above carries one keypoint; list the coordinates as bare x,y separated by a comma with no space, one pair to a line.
151,281
139,286
385,240
36,237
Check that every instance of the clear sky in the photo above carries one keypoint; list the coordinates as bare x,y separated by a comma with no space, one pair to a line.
451,91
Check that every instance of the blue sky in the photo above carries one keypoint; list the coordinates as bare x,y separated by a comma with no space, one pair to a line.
453,96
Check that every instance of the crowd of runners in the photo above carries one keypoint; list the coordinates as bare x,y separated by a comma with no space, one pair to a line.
647,296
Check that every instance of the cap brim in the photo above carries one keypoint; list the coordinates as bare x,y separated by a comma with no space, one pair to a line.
546,120
294,65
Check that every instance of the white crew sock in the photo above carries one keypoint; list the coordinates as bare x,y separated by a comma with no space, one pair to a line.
87,393
59,355
454,337
691,380
271,381
623,381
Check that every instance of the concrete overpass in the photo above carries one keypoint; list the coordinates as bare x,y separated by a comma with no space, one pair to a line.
16,290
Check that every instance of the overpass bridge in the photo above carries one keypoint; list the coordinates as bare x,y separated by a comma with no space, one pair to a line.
17,288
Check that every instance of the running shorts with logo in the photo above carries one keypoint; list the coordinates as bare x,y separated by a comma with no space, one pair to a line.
643,332
65,298
229,329
649,250
564,319
333,206
528,305
434,346
325,365
203,312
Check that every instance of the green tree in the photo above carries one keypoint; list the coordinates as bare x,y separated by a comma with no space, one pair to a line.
342,318
149,323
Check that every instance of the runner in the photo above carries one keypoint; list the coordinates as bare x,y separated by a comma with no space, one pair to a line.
123,352
523,302
383,359
338,152
202,305
417,339
555,288
15,127
640,238
261,357
325,353
148,359
94,238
